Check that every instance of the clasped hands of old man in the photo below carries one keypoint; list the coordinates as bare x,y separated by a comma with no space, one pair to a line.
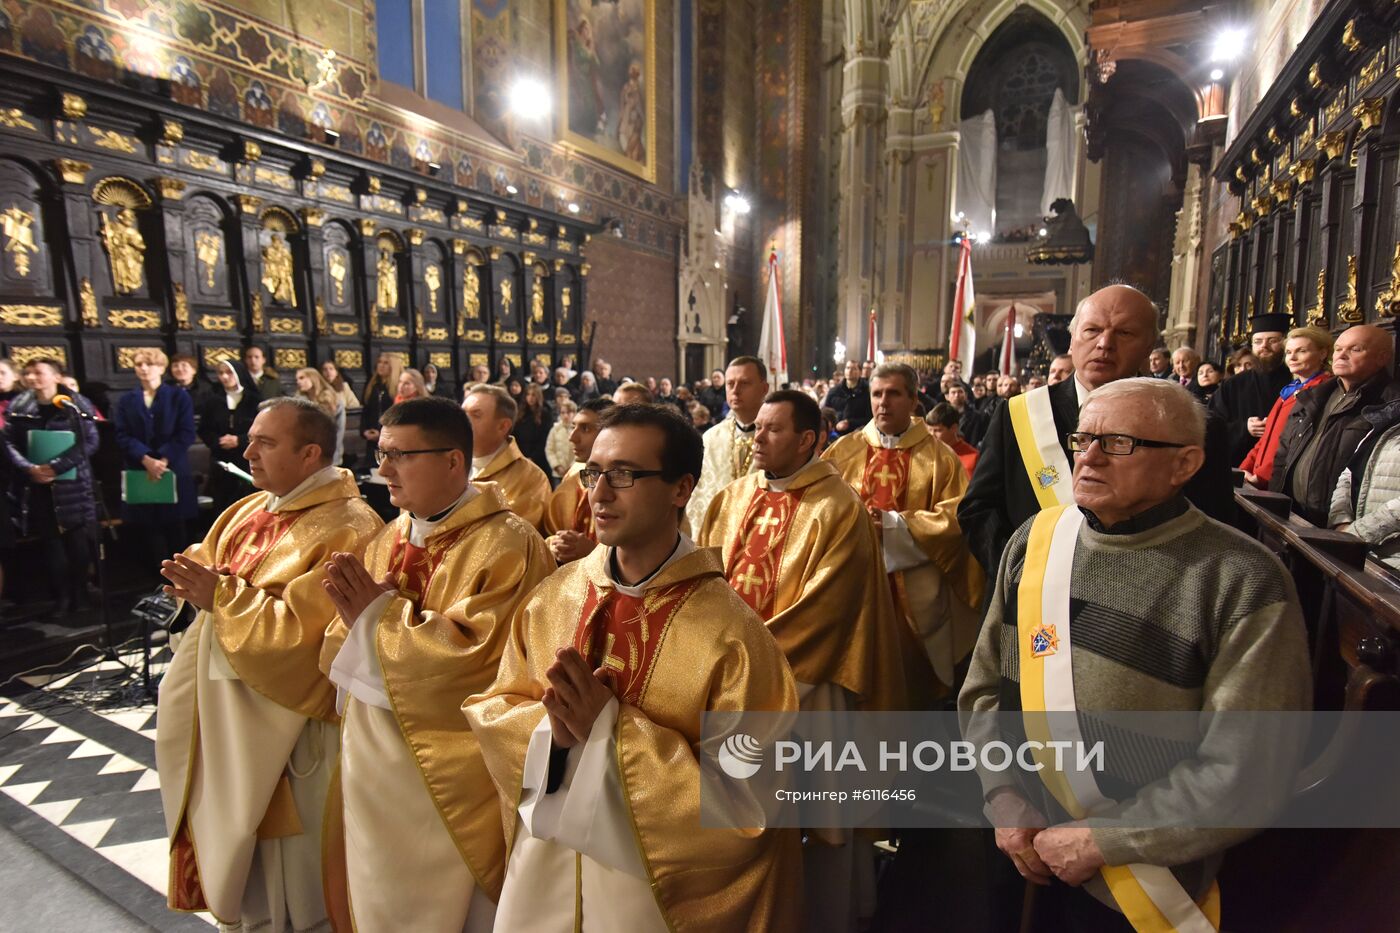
1067,851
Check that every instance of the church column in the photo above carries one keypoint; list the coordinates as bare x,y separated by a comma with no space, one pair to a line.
862,116
172,216
250,287
1186,264
310,251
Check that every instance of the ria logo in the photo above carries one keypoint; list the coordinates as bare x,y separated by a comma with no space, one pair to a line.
740,756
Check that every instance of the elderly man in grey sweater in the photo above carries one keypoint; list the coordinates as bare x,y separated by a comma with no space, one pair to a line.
1132,599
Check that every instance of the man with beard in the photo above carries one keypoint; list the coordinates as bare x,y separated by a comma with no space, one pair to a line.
1244,401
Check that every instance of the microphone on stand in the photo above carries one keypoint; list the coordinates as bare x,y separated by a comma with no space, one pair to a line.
66,401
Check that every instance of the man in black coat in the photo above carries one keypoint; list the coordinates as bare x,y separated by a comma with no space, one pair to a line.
1243,401
1326,424
850,399
1113,331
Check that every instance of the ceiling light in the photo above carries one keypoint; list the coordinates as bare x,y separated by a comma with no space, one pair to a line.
573,207
512,190
737,203
529,98
1216,74
1229,45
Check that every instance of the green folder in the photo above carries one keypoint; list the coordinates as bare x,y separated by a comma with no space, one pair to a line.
45,445
139,489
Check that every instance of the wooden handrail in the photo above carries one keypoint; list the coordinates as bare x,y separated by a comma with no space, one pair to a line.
1339,557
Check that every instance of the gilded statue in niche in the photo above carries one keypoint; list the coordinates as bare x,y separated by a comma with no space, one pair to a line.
19,238
126,250
432,277
338,271
388,296
471,292
566,300
208,245
88,301
537,301
277,275
507,293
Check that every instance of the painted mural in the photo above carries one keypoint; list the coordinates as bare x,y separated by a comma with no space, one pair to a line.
606,67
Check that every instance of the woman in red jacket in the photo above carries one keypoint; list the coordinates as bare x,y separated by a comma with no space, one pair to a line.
1306,354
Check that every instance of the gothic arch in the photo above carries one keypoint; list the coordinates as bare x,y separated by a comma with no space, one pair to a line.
952,52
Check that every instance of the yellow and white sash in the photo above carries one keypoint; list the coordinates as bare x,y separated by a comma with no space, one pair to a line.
1150,896
1033,423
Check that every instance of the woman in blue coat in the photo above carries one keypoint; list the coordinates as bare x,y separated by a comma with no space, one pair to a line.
155,428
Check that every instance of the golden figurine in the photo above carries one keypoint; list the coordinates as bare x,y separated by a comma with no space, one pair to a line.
566,299
277,275
1348,311
421,327
207,247
388,297
257,310
88,299
126,250
321,326
19,238
338,272
537,301
507,293
182,308
1388,301
1319,316
432,277
471,292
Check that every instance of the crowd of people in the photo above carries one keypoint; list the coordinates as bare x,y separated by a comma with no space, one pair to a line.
576,568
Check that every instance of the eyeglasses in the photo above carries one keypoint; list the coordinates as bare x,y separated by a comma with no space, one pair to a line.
396,456
617,479
1115,445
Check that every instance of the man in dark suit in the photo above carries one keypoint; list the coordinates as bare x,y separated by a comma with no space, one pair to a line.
1244,400
1111,335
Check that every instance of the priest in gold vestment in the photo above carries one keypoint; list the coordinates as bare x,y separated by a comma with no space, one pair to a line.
568,519
246,737
496,457
911,483
801,550
422,620
592,728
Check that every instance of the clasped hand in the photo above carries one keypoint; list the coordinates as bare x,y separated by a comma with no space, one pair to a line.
350,586
574,697
191,581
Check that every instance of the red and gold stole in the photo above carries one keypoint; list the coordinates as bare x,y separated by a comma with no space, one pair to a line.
758,548
412,566
583,515
254,538
885,481
622,632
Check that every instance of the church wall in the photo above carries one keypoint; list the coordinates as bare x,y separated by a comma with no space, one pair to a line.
627,286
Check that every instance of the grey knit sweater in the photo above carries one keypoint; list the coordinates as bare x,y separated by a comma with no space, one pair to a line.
1178,613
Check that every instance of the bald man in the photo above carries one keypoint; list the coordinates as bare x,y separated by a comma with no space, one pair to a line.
1327,424
1025,462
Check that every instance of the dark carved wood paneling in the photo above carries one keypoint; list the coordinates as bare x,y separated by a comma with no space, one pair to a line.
143,222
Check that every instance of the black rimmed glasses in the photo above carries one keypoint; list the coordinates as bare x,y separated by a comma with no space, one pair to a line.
1115,445
617,479
397,456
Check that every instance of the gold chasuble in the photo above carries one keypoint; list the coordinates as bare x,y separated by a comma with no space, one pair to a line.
802,553
936,583
413,827
525,485
617,842
244,748
568,508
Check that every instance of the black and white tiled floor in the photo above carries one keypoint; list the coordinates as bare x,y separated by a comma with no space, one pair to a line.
78,783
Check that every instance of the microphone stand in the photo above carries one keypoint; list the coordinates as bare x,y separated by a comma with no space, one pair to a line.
76,416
